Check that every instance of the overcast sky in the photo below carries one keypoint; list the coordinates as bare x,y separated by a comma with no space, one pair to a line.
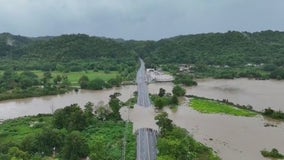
138,19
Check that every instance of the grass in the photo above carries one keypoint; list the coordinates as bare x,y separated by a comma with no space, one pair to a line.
17,129
75,76
109,136
210,106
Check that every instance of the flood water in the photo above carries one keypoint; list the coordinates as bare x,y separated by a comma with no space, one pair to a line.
233,138
258,93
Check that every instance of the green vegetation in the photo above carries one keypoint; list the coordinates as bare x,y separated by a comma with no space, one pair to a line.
74,77
22,84
272,154
185,80
16,130
105,140
98,83
220,55
178,91
273,114
163,99
71,133
28,84
210,106
176,143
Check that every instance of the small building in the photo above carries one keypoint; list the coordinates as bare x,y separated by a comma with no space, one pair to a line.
158,76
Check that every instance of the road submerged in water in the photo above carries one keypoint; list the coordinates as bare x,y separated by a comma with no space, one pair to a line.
146,138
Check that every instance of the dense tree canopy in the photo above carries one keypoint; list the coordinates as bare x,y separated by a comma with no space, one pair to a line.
71,117
264,50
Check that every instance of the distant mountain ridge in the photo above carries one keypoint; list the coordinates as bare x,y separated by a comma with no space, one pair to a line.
231,48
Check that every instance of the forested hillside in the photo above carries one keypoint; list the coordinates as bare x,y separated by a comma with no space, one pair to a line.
81,52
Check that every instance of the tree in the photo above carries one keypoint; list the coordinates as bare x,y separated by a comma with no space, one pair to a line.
97,84
17,154
159,103
162,92
70,117
100,149
165,157
57,79
48,139
8,80
115,106
184,79
165,124
75,146
84,82
28,79
46,79
115,81
178,91
178,145
174,100
115,95
44,142
88,111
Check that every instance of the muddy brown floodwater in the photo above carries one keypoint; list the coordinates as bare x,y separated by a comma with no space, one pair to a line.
258,93
233,138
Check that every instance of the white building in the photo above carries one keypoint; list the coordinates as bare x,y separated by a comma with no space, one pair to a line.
158,76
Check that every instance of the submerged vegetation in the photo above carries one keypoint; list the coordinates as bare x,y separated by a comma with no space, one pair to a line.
273,114
272,154
176,143
163,99
210,106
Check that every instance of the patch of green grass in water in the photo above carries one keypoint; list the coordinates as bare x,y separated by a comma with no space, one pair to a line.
209,106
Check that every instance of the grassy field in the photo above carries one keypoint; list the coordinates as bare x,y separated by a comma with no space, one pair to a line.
209,106
17,129
75,76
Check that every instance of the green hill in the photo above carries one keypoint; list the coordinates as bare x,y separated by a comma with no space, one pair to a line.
80,51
